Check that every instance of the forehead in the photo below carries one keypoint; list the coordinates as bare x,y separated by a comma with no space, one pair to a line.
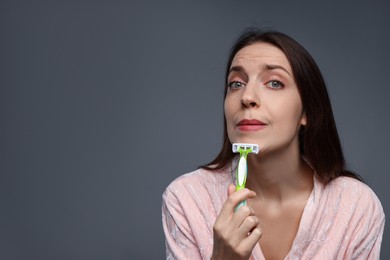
261,53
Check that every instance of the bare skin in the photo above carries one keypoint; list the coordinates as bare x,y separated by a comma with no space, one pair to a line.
273,214
262,89
235,233
279,207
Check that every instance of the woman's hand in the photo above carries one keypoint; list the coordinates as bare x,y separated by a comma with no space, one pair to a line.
235,233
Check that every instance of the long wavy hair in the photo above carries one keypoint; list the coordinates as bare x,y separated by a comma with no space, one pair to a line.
319,142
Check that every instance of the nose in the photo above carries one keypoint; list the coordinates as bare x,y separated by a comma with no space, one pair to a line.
249,97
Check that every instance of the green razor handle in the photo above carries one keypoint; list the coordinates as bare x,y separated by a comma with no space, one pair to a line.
242,168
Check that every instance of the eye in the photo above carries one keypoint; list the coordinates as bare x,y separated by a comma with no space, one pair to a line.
235,84
275,84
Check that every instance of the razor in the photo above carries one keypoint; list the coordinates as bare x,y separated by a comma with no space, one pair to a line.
242,168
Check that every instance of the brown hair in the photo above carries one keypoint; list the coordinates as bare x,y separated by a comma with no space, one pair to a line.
318,140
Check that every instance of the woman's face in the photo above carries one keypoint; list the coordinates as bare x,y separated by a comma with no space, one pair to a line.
262,104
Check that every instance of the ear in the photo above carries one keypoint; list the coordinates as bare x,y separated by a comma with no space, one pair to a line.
303,121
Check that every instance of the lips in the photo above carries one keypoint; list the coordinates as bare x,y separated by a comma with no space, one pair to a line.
250,125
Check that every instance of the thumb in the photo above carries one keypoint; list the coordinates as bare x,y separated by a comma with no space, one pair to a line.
231,189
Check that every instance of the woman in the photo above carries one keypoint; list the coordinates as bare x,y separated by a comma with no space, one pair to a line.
302,203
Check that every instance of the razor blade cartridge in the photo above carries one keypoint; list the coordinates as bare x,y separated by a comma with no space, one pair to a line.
244,146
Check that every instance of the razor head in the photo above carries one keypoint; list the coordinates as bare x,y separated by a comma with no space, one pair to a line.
244,146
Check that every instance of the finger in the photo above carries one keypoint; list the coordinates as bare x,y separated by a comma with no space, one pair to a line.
232,224
234,199
244,220
243,212
245,229
252,239
247,226
246,245
231,189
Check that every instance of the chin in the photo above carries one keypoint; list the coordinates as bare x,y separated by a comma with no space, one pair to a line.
246,141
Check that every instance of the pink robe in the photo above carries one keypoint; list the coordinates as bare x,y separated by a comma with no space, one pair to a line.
341,220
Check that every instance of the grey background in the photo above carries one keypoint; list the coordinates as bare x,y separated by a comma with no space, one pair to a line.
104,103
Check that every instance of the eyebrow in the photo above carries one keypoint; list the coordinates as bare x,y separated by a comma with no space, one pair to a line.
236,68
266,66
274,67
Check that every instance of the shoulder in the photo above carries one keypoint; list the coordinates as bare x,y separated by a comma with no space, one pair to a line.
355,195
350,187
200,177
197,183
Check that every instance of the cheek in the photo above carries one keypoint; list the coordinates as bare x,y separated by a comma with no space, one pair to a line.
229,116
228,110
293,117
287,113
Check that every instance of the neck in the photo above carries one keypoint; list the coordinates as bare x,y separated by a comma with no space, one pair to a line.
279,175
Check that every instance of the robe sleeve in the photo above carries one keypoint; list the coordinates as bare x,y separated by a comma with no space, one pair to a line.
369,232
179,240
